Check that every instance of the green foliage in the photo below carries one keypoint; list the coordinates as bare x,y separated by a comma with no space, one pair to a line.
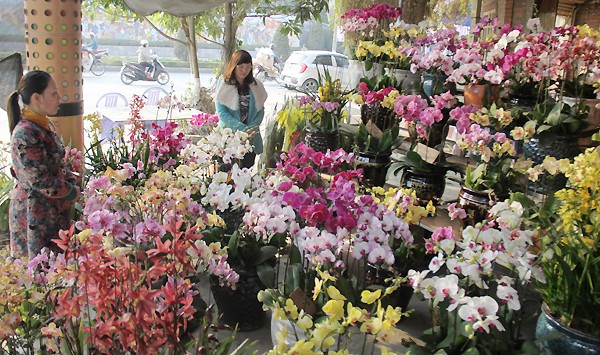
413,161
556,117
6,185
282,45
390,140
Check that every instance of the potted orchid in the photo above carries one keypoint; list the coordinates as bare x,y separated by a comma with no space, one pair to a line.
333,227
323,112
367,26
485,64
379,133
497,171
569,260
424,166
477,284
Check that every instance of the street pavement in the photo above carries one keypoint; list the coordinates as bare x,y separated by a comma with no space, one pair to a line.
181,79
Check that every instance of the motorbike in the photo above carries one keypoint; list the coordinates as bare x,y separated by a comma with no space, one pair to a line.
132,71
266,66
92,61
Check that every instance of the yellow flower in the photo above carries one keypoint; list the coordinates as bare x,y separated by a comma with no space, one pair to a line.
322,335
393,315
371,326
318,288
355,314
385,351
369,297
291,309
305,322
334,309
335,294
303,347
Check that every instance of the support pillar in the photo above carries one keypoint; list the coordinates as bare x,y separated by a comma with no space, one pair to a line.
53,44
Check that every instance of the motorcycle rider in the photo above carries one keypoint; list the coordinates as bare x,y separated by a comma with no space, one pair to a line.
145,57
89,49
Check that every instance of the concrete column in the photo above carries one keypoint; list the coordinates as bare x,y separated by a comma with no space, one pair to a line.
53,44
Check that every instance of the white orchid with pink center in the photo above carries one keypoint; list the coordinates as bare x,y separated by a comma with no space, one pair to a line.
472,263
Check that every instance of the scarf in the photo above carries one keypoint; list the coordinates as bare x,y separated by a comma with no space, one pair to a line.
36,118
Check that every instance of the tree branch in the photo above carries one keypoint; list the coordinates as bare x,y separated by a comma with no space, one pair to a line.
162,33
209,40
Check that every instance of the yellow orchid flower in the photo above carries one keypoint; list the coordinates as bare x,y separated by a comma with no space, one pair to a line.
385,351
305,322
334,309
318,288
291,309
372,326
369,297
335,294
304,347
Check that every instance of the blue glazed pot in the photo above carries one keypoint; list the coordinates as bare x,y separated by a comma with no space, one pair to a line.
555,338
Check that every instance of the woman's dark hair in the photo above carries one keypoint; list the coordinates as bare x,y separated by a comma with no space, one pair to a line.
238,57
34,82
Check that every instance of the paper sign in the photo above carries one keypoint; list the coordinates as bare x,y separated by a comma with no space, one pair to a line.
373,130
302,302
428,154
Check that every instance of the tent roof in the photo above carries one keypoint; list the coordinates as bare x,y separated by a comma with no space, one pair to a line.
177,8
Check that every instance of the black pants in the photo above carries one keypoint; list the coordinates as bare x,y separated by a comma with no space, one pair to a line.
148,66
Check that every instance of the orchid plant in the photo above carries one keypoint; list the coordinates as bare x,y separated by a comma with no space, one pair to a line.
476,283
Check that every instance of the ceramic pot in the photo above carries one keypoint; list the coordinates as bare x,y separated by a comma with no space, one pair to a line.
322,141
435,84
356,70
375,167
240,306
555,338
593,119
475,203
426,186
383,117
411,82
558,146
481,95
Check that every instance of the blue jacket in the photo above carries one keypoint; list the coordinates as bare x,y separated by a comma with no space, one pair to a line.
228,102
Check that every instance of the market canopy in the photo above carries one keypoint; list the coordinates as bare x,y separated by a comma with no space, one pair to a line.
177,8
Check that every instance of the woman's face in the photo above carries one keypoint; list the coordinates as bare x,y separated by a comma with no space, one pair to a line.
242,70
49,100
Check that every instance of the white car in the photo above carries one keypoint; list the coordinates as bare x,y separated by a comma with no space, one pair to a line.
302,68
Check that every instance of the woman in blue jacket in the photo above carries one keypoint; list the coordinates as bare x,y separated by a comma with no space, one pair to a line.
240,101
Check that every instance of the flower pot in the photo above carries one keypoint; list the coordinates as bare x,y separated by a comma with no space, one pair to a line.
322,141
481,95
240,306
383,117
555,338
426,186
558,146
435,134
435,84
411,82
355,71
375,167
400,298
475,203
593,119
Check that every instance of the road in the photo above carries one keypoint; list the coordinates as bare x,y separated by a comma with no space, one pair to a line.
181,79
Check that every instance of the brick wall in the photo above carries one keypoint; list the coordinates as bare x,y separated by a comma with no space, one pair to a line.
588,14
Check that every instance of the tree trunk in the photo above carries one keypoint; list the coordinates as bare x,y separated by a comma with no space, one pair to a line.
193,53
414,11
229,44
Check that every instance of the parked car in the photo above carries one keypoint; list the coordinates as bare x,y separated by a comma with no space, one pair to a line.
301,69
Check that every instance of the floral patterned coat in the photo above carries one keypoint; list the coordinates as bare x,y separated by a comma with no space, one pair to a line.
45,189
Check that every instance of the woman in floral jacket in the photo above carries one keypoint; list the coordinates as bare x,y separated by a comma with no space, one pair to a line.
240,101
45,188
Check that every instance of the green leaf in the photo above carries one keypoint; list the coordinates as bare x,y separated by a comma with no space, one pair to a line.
233,244
265,253
292,278
554,117
368,65
266,274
